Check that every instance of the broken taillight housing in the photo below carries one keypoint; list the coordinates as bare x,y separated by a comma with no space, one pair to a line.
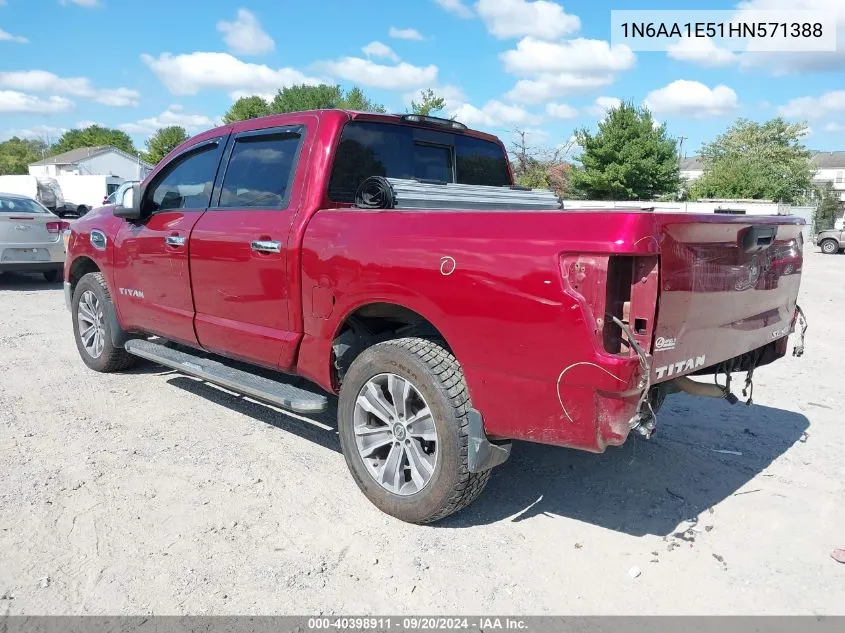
624,287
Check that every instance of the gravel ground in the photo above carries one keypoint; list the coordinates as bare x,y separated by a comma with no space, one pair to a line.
150,492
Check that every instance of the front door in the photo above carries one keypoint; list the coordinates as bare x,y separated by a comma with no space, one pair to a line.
239,249
152,279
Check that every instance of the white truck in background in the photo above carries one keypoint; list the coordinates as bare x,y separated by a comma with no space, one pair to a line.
66,196
86,190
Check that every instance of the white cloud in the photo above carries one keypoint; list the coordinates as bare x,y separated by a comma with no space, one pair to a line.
13,102
834,127
81,3
516,18
405,34
239,94
457,7
547,86
245,36
192,73
703,52
691,98
561,111
781,63
43,81
191,122
533,56
46,132
554,69
602,105
365,72
815,107
494,114
377,49
5,36
84,124
117,97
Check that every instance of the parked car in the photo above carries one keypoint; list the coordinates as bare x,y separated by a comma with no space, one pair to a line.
30,237
831,241
390,259
117,194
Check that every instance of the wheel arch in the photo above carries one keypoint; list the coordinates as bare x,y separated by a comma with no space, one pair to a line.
366,324
80,267
830,238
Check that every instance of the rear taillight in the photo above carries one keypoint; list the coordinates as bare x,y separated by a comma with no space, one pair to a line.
623,287
57,227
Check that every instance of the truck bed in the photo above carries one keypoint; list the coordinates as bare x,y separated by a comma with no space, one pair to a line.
525,299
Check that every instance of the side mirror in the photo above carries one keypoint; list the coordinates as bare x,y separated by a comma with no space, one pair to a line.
130,207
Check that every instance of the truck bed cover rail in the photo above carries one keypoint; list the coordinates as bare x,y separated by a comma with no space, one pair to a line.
398,193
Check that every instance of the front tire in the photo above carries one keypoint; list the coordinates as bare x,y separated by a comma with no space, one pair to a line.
403,425
830,247
92,329
52,276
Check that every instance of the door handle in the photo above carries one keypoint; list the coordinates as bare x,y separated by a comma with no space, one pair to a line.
266,246
174,240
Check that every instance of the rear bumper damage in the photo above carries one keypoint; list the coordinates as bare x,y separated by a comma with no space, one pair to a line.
644,421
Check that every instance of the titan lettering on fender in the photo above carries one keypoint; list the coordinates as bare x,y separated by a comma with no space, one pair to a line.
681,366
131,292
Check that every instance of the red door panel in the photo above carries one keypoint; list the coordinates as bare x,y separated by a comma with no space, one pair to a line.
239,250
152,278
152,275
243,310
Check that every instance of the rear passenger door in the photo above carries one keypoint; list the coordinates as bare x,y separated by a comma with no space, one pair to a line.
239,249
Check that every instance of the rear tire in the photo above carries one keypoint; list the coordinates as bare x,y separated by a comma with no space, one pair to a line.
92,329
52,276
437,384
830,247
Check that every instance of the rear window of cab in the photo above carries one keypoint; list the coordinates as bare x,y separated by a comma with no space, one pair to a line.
392,150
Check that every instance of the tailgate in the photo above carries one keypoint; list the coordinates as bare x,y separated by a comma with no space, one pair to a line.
728,285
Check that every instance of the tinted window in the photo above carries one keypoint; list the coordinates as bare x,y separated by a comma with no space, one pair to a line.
186,183
400,151
20,205
260,171
480,162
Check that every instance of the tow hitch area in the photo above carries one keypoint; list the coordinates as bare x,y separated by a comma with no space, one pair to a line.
800,320
644,421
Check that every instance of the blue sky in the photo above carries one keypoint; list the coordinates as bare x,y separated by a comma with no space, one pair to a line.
543,66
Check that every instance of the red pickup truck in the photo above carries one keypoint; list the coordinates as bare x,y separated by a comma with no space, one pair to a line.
389,259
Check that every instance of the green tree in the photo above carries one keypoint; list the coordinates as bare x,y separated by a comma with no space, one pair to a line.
429,102
247,108
323,96
828,209
300,98
629,158
93,136
163,142
756,160
355,99
17,154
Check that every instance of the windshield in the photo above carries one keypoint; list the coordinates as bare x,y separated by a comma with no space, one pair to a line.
20,205
369,149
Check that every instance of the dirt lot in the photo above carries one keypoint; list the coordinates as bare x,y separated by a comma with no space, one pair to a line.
151,492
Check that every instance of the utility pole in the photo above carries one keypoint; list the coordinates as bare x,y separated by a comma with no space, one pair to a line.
681,147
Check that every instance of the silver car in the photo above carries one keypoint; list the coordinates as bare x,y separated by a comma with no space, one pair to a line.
31,237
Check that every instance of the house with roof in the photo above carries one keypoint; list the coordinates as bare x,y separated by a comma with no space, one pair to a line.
830,167
103,160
